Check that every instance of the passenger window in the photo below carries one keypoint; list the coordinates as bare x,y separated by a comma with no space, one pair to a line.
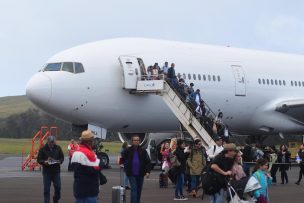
276,82
189,76
284,83
179,75
199,76
296,84
291,83
218,78
79,68
259,81
263,81
184,76
267,81
280,82
299,84
271,81
53,67
209,77
303,84
194,77
68,66
214,79
204,77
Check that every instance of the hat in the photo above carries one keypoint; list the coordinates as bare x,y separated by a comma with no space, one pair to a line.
230,146
217,138
87,135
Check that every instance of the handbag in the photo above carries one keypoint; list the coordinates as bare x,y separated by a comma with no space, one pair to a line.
165,166
102,179
175,162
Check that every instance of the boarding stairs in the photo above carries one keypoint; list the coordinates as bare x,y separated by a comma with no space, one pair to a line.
180,109
29,156
136,80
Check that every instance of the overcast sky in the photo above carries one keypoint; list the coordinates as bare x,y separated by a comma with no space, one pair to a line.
34,30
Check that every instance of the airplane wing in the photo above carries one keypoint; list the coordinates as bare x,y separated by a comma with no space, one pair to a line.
292,108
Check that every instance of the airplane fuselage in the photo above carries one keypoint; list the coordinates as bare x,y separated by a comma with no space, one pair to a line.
231,81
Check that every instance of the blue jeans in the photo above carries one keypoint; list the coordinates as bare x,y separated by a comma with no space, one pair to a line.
194,181
179,184
218,197
87,200
126,181
48,178
136,183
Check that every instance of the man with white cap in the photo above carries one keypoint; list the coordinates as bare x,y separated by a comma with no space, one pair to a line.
50,157
87,168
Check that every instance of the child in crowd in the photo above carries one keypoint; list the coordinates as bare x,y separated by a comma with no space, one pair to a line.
264,178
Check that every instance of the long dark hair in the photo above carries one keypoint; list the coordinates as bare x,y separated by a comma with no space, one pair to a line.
259,162
285,148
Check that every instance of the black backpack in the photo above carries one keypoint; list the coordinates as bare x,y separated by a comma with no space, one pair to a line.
210,181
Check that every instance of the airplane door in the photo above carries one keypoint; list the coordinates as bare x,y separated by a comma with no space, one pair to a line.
240,81
131,71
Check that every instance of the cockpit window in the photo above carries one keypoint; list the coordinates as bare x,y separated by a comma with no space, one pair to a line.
68,66
53,67
79,68
65,66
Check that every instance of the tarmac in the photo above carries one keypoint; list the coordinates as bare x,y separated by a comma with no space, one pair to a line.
26,187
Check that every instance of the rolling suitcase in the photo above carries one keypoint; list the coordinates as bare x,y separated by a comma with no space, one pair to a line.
119,192
163,180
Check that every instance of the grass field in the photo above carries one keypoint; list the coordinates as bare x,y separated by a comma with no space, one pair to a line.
14,105
15,146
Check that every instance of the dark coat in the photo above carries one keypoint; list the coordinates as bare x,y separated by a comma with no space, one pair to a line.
171,73
182,158
45,153
287,160
144,160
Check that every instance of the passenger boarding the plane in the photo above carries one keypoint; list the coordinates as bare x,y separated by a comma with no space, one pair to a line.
219,121
149,72
181,88
165,68
155,73
195,99
171,76
201,110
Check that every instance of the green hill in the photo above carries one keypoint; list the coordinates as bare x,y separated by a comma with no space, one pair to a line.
13,105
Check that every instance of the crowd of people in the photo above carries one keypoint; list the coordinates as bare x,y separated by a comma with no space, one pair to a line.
212,123
184,163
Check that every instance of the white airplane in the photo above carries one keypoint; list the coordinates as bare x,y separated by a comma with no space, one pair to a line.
259,92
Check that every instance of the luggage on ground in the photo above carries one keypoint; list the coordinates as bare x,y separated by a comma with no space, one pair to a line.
163,180
119,192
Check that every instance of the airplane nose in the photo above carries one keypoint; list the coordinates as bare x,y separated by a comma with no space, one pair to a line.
39,89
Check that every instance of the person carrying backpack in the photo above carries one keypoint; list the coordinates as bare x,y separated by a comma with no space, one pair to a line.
196,162
222,166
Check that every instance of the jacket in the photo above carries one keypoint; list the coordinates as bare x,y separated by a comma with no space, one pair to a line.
264,181
86,172
72,148
171,73
287,160
144,160
182,158
56,154
196,161
301,155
